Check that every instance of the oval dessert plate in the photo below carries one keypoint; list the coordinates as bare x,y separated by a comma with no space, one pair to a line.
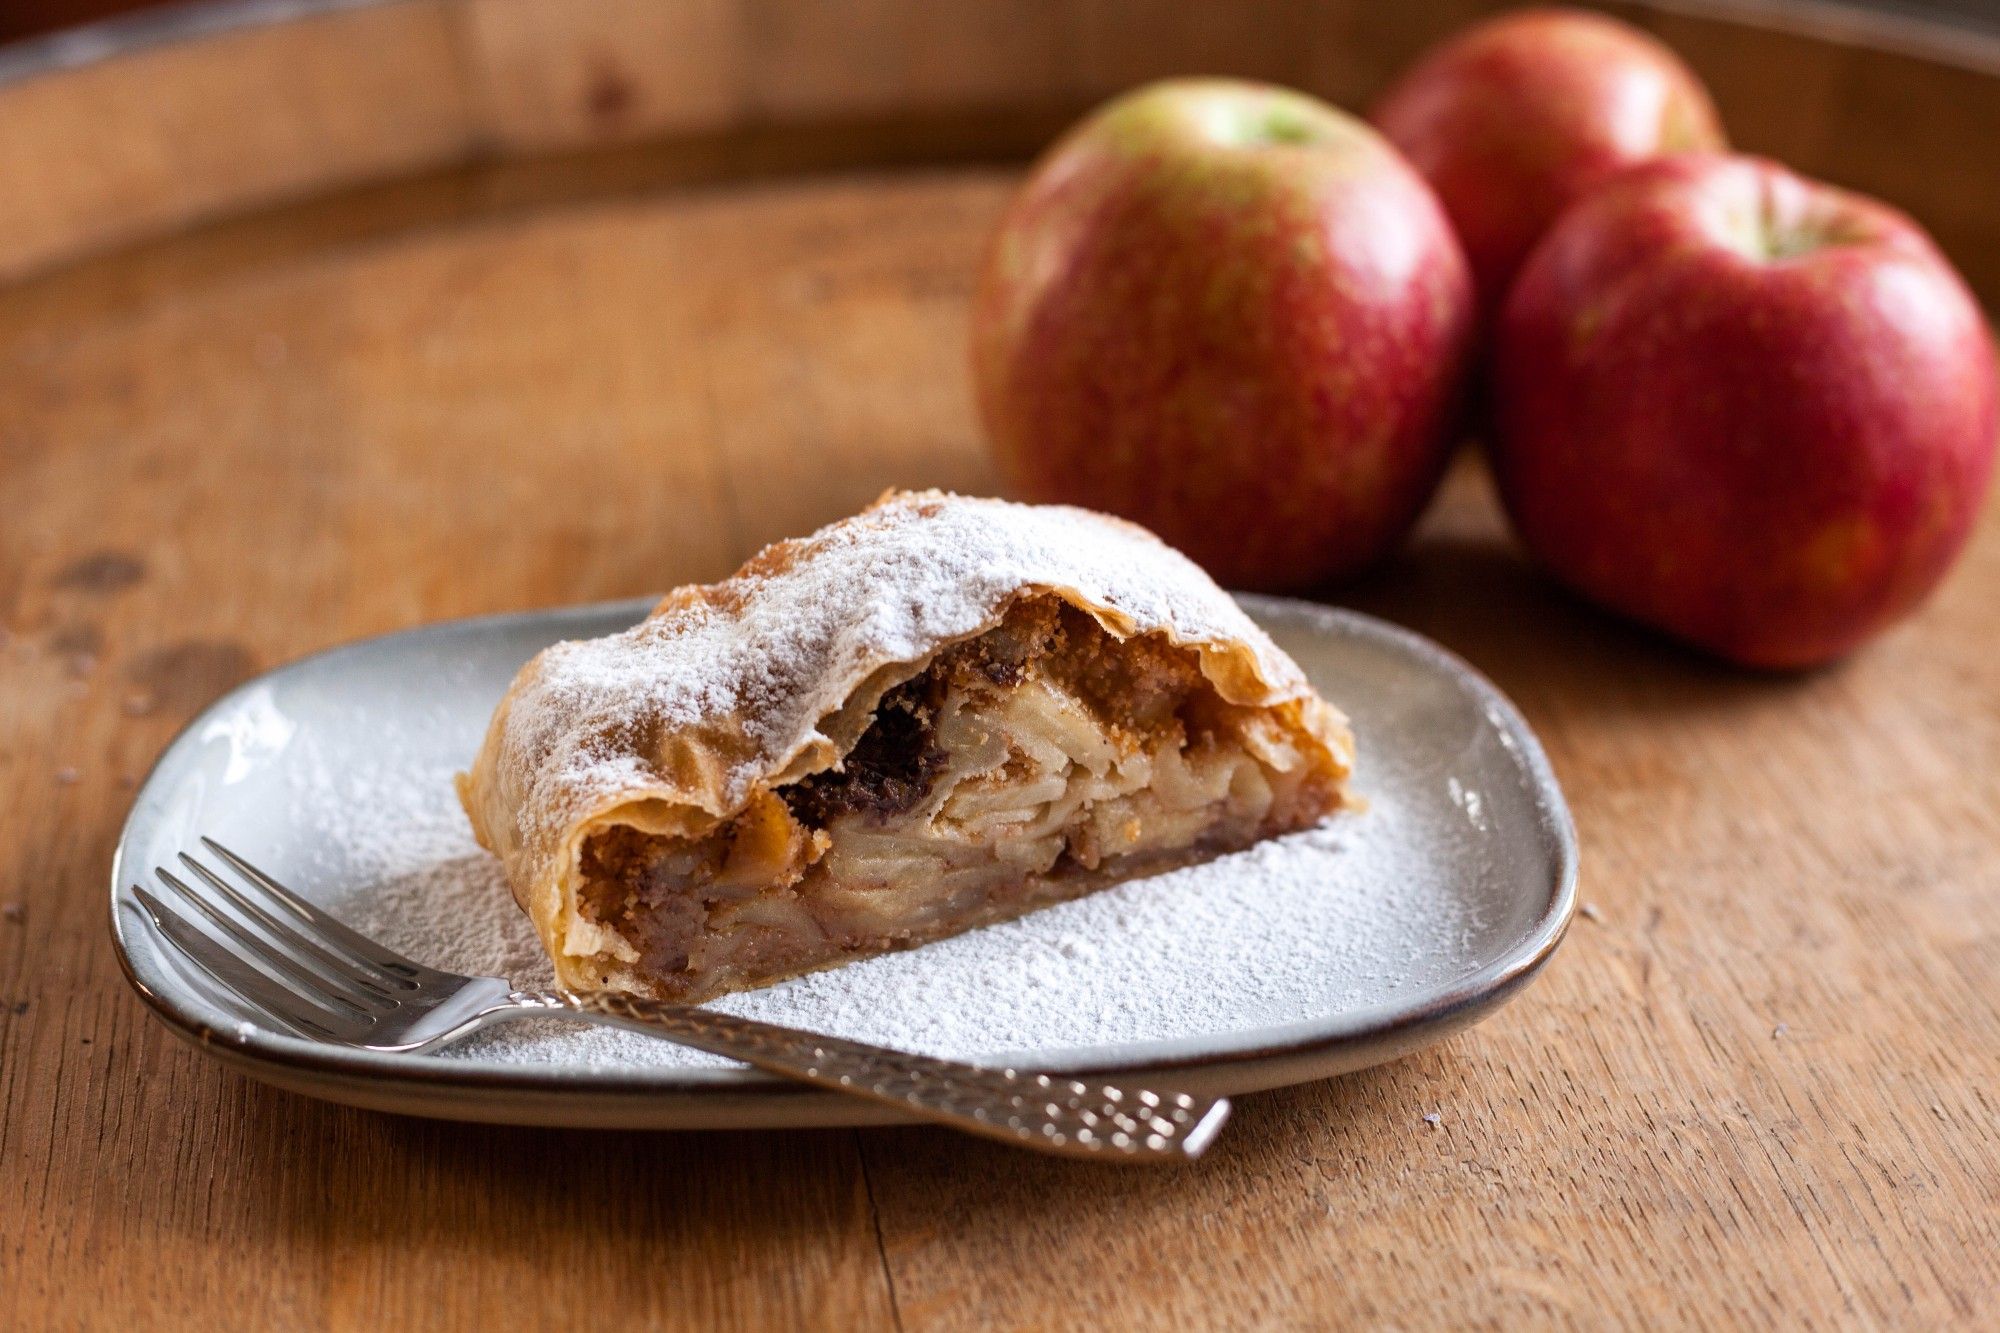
1309,956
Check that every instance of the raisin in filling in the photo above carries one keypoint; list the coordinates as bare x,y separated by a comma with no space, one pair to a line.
890,769
894,765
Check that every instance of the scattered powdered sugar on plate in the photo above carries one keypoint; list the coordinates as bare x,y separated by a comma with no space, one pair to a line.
1351,914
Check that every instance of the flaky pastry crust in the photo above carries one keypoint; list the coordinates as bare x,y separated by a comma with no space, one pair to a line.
729,691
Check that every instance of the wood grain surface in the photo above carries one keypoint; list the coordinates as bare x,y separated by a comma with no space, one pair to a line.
1759,1085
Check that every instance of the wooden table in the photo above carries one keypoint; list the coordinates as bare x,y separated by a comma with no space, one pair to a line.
1759,1084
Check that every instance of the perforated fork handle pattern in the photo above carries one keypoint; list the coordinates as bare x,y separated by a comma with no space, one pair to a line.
1069,1117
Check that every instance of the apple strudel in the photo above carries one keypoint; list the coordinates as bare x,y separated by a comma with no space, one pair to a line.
940,713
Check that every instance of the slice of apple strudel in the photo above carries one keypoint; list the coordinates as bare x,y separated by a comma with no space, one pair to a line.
941,713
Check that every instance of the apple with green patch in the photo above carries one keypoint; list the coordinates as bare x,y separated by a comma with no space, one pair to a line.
1235,315
1749,409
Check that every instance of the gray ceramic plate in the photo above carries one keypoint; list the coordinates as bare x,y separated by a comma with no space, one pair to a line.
1456,886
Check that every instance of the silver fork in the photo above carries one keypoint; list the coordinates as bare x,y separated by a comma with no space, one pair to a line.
304,971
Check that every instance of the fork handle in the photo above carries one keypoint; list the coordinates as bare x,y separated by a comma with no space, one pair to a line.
1064,1116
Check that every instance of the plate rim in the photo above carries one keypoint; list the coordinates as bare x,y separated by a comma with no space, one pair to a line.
452,1088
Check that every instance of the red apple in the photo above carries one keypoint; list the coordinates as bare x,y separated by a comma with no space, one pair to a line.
1235,315
1514,118
1747,408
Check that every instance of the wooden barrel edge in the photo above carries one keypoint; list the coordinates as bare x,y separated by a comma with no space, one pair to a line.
145,125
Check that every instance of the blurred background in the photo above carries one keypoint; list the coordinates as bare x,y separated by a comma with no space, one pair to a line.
27,18
1877,95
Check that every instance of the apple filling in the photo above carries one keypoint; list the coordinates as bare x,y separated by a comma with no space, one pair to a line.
1032,764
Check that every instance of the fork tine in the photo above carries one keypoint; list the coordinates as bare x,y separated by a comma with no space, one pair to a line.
338,969
394,967
319,987
263,1015
230,971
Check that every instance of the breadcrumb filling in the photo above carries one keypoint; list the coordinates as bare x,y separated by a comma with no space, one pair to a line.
1034,763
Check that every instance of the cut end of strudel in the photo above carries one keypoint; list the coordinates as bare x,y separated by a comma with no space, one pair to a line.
940,713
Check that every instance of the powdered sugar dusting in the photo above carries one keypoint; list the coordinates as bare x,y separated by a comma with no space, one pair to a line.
764,656
334,774
1350,914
